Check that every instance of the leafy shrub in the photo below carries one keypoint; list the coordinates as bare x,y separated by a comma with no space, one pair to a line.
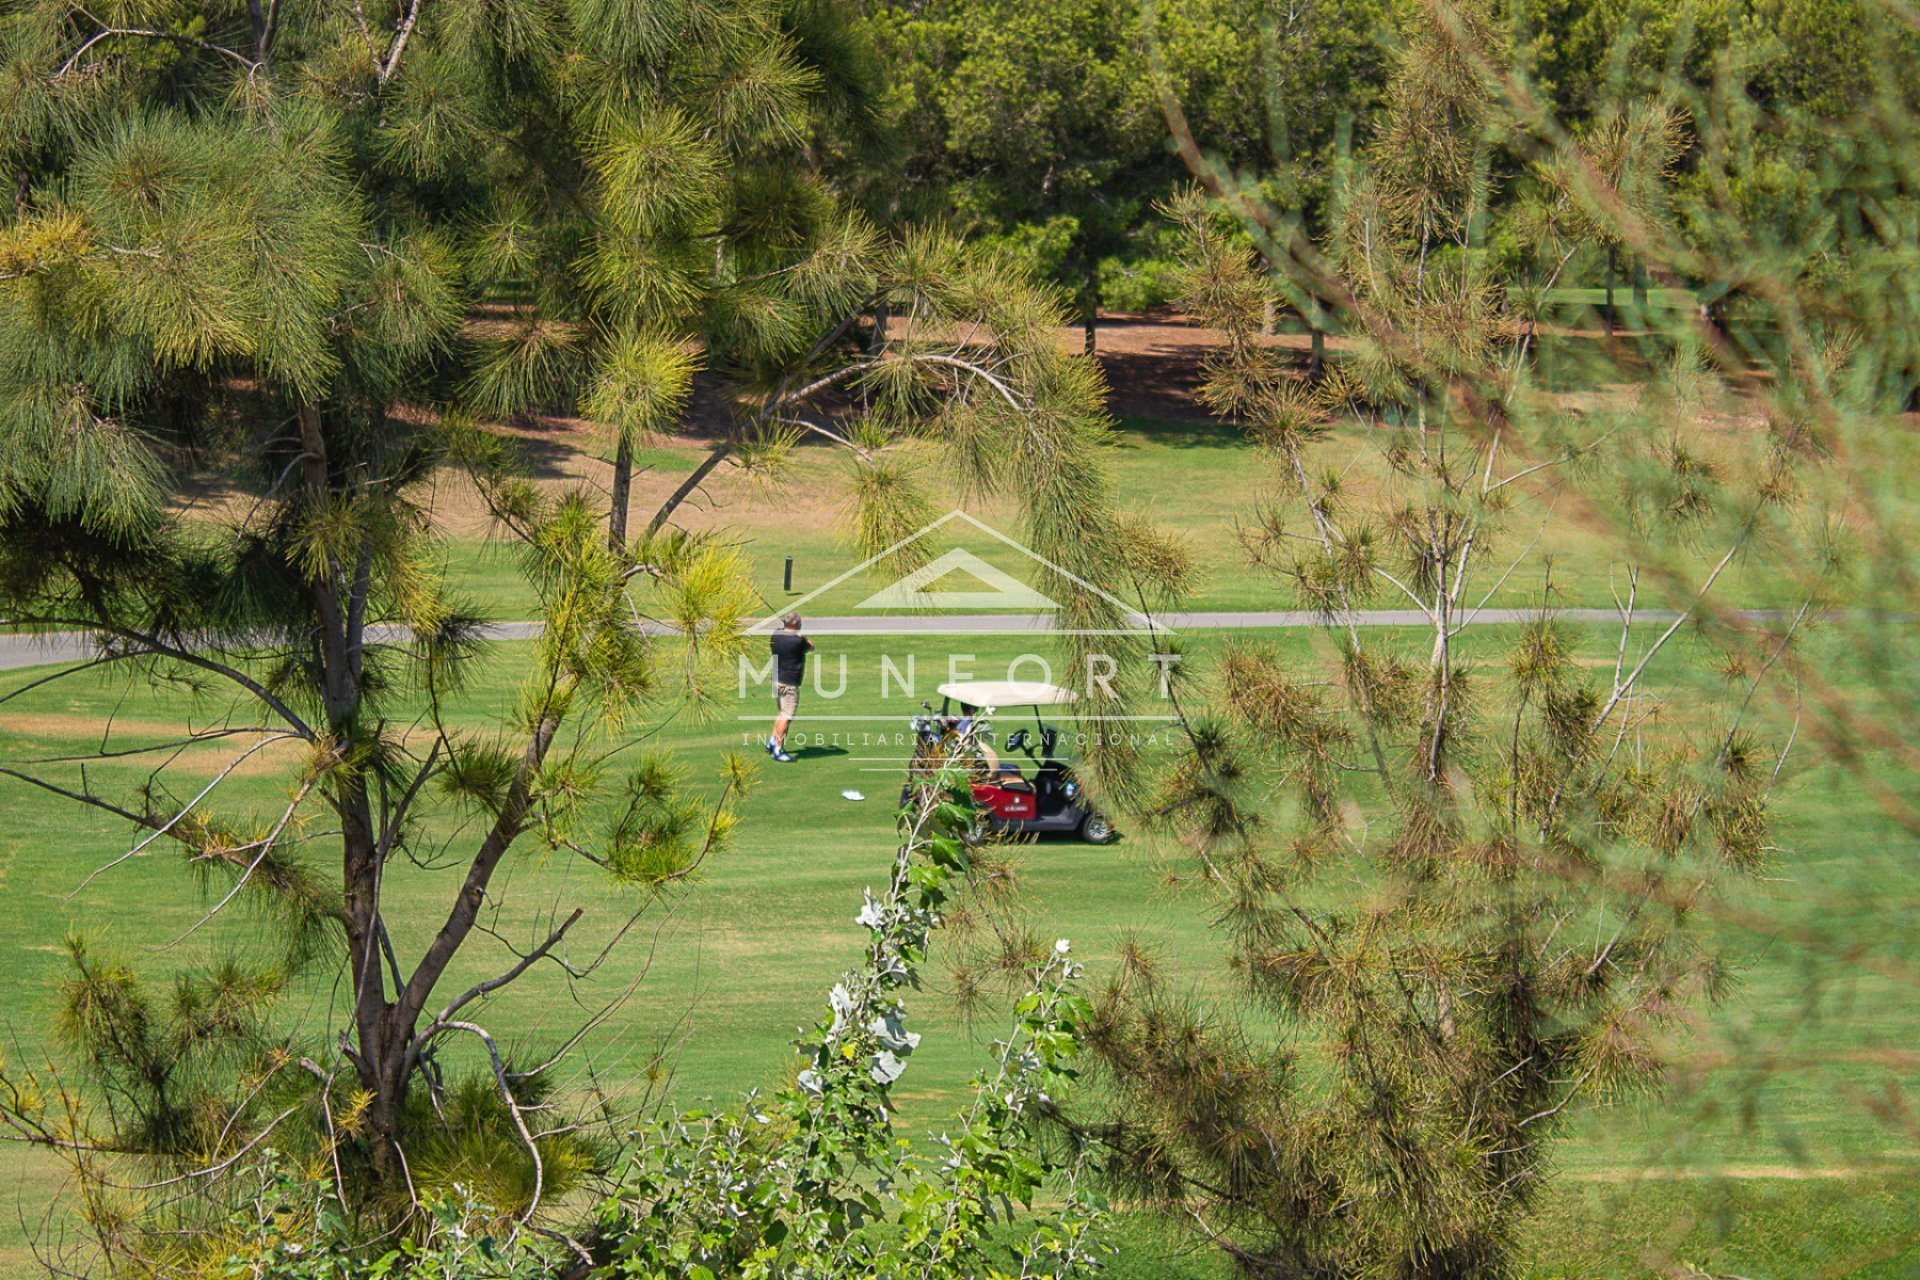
1139,285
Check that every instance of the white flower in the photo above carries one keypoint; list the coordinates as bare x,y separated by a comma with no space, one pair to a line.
1061,947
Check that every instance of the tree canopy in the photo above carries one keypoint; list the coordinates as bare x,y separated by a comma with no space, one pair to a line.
274,272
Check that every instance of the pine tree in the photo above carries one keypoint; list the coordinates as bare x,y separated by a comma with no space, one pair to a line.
250,241
1465,905
660,198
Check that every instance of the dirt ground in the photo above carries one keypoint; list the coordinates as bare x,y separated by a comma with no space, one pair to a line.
1152,363
1152,366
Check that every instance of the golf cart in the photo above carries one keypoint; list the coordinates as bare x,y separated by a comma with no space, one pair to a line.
1035,794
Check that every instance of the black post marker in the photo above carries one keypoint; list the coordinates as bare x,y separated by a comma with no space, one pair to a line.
786,583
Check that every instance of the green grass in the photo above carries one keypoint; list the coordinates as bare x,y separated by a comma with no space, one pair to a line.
1798,1072
1199,480
1658,299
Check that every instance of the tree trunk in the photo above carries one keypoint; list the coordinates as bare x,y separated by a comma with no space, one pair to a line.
876,345
257,19
1613,268
687,486
1317,361
1090,307
339,637
373,1054
622,493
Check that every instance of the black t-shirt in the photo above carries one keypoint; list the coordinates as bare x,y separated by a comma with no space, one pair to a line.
790,656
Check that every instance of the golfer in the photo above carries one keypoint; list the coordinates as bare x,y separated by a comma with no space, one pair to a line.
790,650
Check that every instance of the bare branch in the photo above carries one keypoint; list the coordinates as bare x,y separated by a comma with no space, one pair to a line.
214,1169
466,909
491,985
192,739
405,33
140,33
1569,456
61,674
1407,591
513,1109
266,847
968,366
161,828
154,646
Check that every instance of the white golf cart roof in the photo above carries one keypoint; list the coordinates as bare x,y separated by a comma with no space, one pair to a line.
1007,693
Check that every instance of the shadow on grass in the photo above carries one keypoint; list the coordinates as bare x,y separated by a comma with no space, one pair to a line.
1210,433
544,448
812,753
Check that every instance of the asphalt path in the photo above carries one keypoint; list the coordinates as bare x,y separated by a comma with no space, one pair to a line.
48,648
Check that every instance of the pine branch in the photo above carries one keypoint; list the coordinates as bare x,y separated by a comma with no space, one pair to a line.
481,989
139,33
266,846
154,647
506,828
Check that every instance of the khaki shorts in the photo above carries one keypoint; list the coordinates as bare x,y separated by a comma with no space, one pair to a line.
788,698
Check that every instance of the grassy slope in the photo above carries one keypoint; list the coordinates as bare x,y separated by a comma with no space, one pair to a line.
1779,1081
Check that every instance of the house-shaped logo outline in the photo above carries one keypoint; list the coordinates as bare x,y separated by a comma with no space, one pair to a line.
1139,623
912,591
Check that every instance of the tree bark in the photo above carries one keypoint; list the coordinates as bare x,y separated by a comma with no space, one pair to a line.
339,639
1613,269
266,26
1090,306
713,459
622,493
337,692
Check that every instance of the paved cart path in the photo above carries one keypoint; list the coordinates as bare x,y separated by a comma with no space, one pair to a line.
32,650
